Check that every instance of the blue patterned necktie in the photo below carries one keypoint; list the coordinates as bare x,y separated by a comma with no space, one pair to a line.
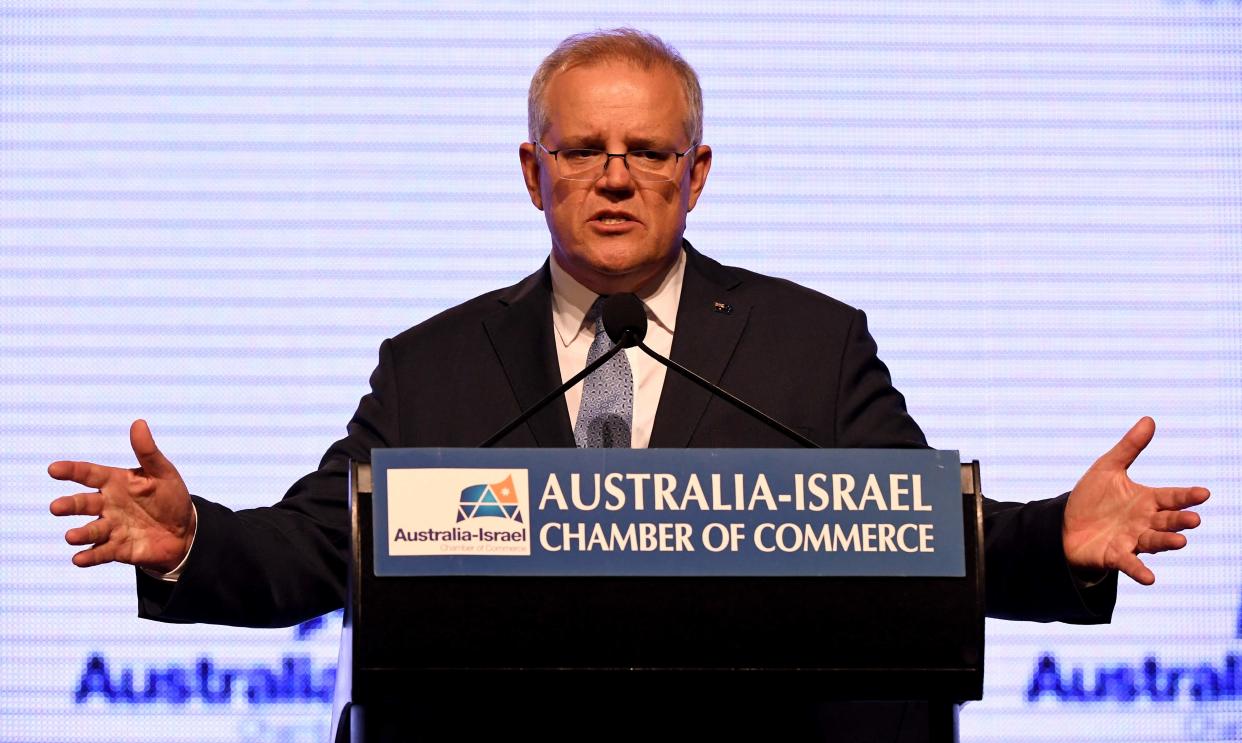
607,409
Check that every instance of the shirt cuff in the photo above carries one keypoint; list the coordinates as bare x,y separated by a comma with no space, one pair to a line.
172,575
1085,581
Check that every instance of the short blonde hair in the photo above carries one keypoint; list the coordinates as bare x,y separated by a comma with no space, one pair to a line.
619,44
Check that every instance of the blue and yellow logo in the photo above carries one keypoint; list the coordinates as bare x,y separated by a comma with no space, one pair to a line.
497,499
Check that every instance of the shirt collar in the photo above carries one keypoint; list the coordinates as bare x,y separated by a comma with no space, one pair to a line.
571,300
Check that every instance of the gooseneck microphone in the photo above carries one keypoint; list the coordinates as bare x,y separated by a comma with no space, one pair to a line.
625,321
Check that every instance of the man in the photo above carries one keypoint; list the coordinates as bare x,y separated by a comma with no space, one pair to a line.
615,162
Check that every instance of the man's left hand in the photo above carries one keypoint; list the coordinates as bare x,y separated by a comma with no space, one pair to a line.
1110,519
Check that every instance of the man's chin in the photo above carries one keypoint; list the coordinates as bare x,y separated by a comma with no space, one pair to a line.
625,264
612,268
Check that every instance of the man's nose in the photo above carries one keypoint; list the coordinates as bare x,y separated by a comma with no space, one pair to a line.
616,174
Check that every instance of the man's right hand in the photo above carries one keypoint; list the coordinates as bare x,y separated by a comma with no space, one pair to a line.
145,515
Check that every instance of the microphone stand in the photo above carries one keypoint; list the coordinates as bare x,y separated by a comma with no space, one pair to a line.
632,336
524,415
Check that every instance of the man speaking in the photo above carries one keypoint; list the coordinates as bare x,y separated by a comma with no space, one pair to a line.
615,161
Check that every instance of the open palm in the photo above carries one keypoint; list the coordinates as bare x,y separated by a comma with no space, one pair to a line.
145,515
1110,519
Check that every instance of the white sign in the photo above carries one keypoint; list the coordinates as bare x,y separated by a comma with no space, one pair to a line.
458,511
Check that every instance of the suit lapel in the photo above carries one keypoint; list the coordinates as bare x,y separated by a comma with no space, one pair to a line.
522,337
703,341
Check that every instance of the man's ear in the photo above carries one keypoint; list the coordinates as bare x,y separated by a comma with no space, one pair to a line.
530,172
698,172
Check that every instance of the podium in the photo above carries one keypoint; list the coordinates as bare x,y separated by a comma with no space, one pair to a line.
654,658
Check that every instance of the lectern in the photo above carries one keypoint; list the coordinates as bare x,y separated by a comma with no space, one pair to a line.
657,657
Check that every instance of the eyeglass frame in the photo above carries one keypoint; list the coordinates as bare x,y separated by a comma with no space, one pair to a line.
608,156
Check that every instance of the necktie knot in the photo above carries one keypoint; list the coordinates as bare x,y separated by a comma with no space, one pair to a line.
595,315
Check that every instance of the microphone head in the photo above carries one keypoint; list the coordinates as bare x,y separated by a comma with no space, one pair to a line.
622,312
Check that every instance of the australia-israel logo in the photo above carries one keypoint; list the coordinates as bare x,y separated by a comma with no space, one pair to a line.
458,511
496,499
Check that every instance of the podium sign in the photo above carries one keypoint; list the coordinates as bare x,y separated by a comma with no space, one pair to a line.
659,512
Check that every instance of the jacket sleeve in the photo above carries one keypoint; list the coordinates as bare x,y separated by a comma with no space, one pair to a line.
279,565
1026,573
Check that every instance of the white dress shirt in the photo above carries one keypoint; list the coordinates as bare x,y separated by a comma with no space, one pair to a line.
570,303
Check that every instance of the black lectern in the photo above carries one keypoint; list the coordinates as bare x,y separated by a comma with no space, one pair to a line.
658,658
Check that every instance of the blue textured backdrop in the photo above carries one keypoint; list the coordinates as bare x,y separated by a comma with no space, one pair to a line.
211,214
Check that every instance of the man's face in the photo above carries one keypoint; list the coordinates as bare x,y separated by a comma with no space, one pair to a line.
614,233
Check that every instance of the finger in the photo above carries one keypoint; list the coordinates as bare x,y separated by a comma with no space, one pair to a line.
78,504
1174,520
1176,498
1131,445
153,461
83,473
1160,541
1134,567
96,532
97,555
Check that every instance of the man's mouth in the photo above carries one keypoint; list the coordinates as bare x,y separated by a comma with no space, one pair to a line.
613,217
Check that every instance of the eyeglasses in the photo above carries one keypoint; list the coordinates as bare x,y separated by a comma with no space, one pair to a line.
651,166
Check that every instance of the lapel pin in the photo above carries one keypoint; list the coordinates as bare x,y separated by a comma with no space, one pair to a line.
722,308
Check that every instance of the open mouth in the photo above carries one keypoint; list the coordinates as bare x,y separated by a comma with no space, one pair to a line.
613,217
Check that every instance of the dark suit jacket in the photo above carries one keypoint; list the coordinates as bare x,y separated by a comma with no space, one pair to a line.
453,380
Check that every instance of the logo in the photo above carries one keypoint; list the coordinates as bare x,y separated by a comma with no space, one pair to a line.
497,499
458,511
1206,679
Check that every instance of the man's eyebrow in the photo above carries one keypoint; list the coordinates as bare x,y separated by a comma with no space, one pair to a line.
584,140
644,143
596,141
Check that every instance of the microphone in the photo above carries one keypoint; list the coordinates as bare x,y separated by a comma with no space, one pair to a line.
625,319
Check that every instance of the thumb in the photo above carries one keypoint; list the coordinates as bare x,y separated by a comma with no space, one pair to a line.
1131,445
149,456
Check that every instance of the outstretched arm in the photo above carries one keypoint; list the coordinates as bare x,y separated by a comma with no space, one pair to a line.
260,567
